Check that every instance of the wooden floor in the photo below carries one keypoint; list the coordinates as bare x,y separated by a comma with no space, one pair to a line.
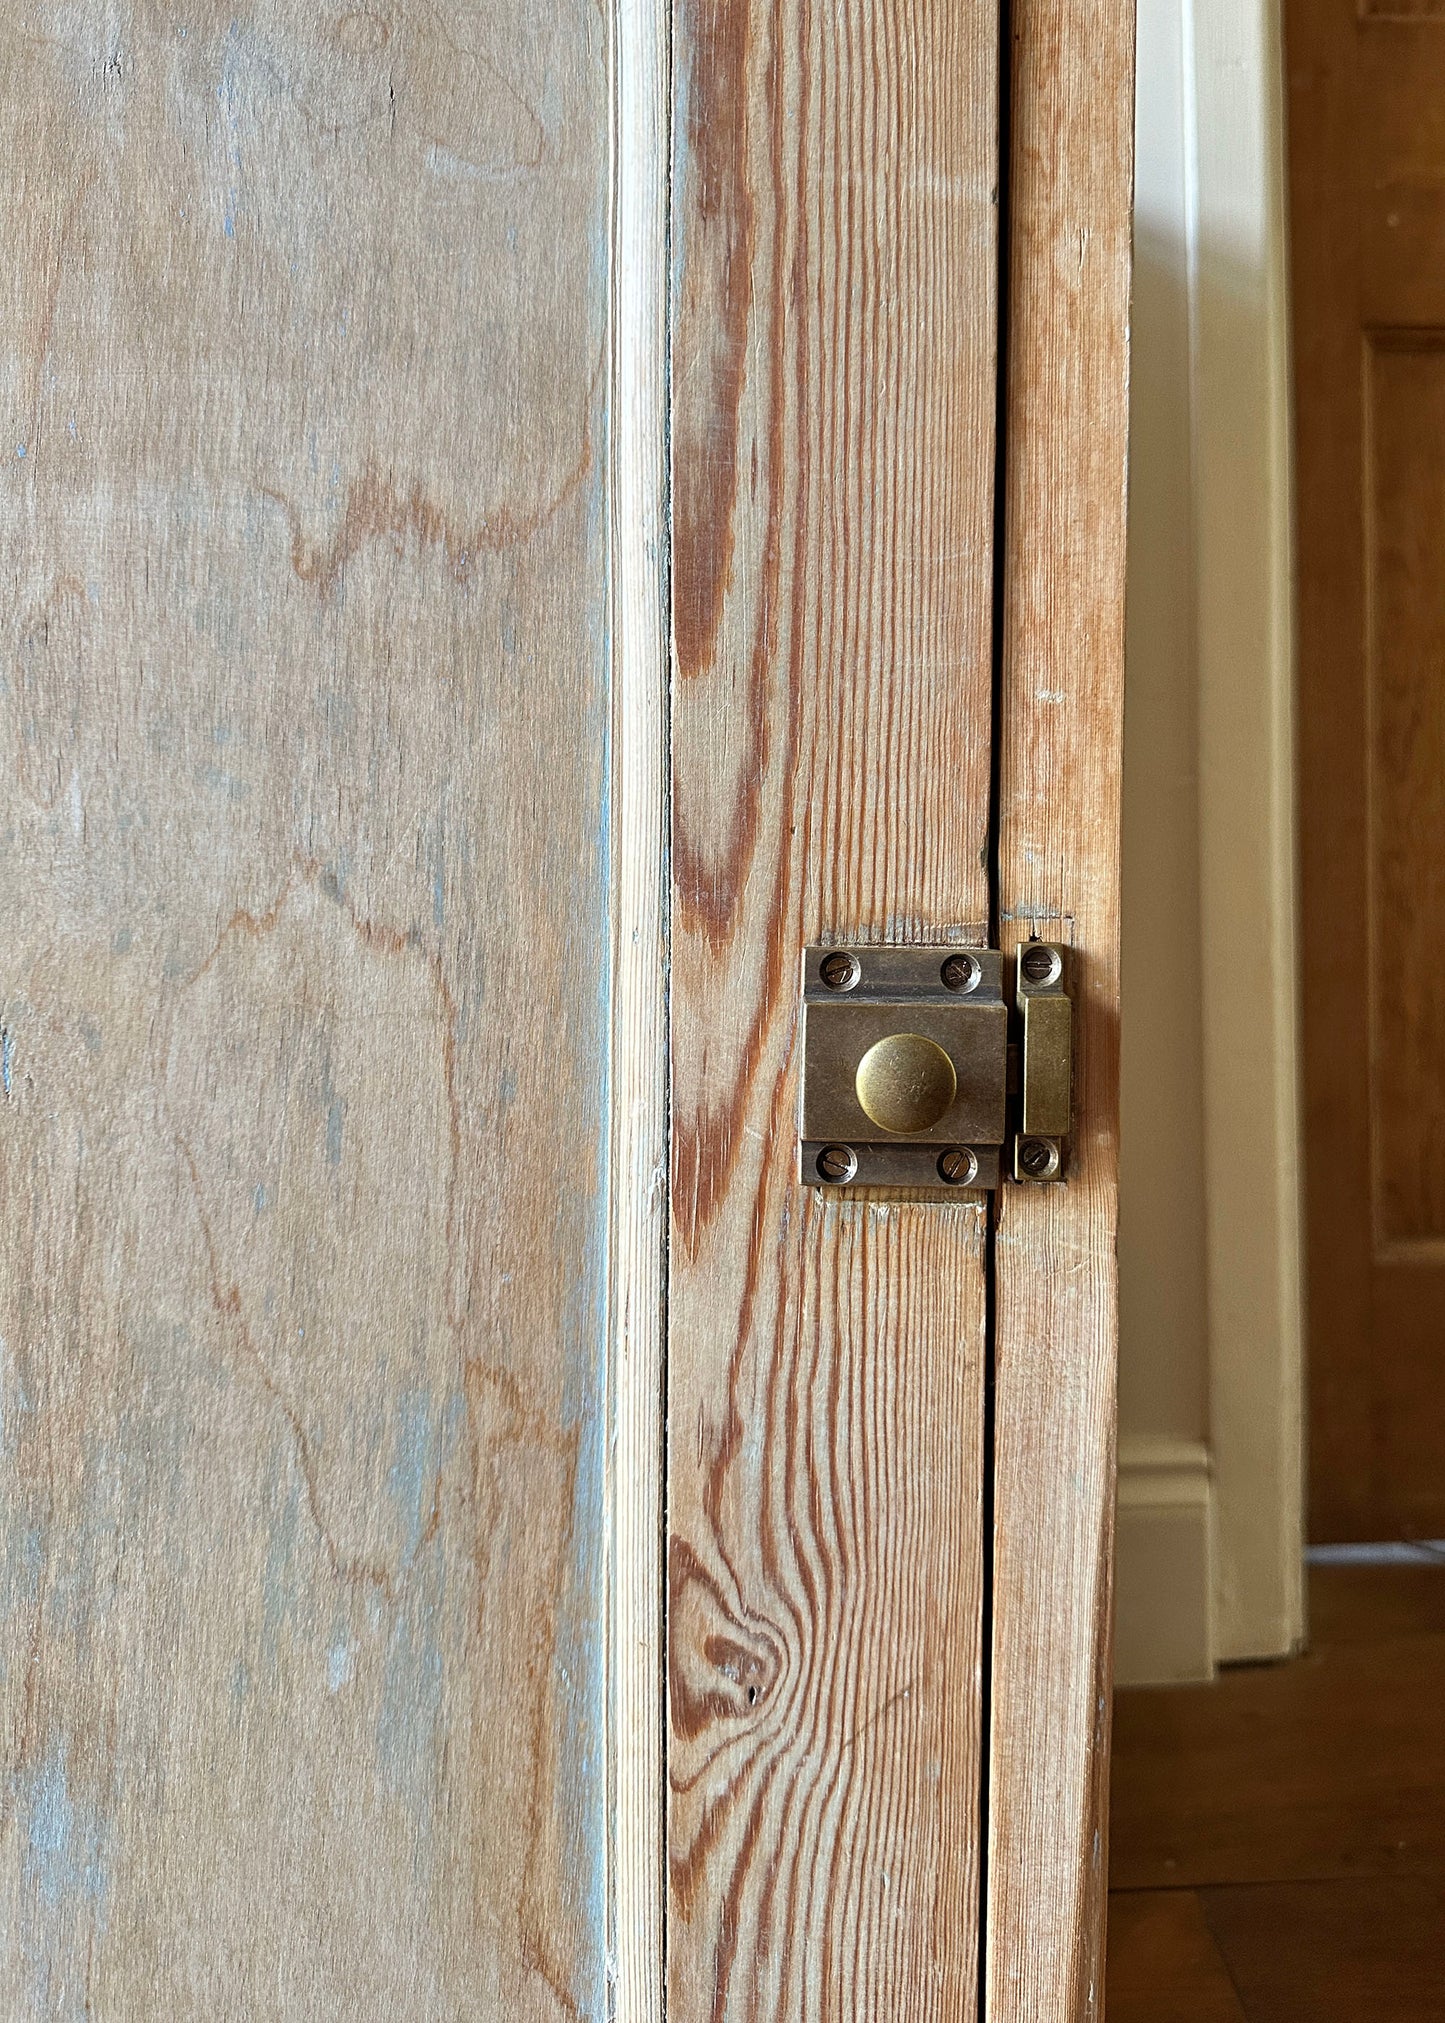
1278,1838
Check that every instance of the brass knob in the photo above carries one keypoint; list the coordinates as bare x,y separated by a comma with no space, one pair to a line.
905,1083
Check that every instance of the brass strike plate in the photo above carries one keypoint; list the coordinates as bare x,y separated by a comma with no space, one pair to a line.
1047,1017
911,1077
905,1067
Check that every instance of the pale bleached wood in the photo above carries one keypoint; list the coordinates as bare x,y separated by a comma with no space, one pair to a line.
833,385
1060,725
303,1147
640,677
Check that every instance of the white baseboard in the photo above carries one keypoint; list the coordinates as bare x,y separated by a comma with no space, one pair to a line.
1162,1572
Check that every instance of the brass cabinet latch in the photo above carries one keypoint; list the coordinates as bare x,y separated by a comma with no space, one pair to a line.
918,1072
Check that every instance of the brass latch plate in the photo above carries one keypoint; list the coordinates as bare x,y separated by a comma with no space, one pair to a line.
918,1037
1047,1018
906,1067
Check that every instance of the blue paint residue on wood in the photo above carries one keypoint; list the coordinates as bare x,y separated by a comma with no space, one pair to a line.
420,1623
65,1865
65,1855
580,1656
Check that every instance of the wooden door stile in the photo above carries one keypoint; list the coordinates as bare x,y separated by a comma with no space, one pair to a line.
833,374
1060,720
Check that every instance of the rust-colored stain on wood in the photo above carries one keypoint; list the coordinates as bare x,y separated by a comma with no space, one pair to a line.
833,389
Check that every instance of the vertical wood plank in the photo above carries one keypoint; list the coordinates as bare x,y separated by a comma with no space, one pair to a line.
304,1032
638,1093
1060,724
833,383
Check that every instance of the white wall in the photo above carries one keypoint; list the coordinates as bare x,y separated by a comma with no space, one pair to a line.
1210,1478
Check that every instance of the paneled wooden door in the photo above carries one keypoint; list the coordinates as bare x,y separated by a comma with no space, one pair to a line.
1367,157
518,520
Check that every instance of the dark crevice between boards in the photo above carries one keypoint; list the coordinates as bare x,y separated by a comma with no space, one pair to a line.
990,1278
664,565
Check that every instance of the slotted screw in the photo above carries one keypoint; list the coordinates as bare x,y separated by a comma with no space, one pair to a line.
1038,1158
1040,964
961,972
837,1163
958,1165
839,970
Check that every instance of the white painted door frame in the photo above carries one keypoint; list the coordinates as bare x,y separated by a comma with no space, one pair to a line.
1212,1347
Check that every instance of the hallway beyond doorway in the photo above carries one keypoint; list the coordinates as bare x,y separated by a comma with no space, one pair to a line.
1278,1838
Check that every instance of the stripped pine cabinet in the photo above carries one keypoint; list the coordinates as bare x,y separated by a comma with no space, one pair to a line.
517,522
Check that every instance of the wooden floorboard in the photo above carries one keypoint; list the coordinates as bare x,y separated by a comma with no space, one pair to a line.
1370,1951
1163,1964
1278,1838
1328,1767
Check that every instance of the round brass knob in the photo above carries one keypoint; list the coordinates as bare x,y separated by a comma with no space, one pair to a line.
905,1083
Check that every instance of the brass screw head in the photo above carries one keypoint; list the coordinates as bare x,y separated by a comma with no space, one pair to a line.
837,1163
1038,1158
839,970
1039,963
905,1083
961,972
958,1165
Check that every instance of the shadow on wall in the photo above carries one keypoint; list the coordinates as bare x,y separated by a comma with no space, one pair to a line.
1207,1492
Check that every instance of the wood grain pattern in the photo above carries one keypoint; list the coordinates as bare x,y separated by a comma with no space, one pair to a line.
1405,521
1335,1952
1059,732
833,376
1367,209
1164,1966
1330,1766
637,1092
1362,1951
305,1010
1300,1808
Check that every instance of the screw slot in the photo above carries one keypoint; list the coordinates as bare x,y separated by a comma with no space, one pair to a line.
839,970
958,1166
837,1164
961,972
1038,1158
1040,964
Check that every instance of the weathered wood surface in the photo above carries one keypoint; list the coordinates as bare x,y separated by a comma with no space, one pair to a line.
303,1035
1060,727
641,674
833,383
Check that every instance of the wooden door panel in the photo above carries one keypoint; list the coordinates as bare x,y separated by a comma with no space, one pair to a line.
1060,726
305,1011
833,384
1367,151
342,366
1405,535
